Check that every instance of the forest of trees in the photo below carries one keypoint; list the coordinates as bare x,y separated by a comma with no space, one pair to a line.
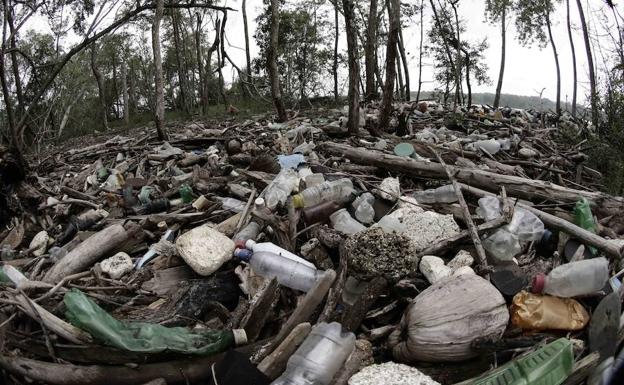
119,63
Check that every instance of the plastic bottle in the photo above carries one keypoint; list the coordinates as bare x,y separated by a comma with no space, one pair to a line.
342,221
545,312
550,365
186,193
526,225
248,232
491,146
363,205
502,245
280,188
275,249
155,206
574,278
231,204
289,273
320,212
314,180
337,190
489,208
319,357
443,194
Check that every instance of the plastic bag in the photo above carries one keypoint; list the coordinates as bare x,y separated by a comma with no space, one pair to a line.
141,337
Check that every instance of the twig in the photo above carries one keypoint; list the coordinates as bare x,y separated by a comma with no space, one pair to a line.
61,283
245,212
68,201
37,317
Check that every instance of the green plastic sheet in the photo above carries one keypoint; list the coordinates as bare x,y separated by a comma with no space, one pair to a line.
141,337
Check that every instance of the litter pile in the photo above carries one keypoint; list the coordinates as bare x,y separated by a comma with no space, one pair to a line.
474,248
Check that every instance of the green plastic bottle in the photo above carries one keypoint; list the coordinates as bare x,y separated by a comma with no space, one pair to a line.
584,218
186,193
550,365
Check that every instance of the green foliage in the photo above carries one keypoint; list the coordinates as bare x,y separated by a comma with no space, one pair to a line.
531,20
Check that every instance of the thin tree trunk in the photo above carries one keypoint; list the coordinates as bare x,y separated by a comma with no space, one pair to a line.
159,108
446,48
552,43
335,65
394,13
124,90
15,64
211,50
458,90
115,99
400,87
247,51
132,89
404,61
13,136
573,57
98,79
203,102
221,58
590,64
272,63
370,52
67,113
181,75
354,67
420,49
499,85
468,85
302,80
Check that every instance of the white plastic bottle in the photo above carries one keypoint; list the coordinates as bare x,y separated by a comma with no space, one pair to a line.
574,278
337,190
363,205
275,249
342,221
319,357
442,194
289,273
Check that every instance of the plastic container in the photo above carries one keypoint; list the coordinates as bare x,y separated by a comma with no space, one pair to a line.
550,365
186,193
363,205
342,221
280,188
320,212
574,278
502,246
249,232
489,208
231,204
288,272
526,226
491,146
314,180
544,312
443,194
337,190
319,357
275,249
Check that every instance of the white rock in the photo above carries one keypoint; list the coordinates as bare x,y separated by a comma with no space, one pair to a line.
433,268
39,243
390,373
463,258
463,270
117,266
389,189
205,249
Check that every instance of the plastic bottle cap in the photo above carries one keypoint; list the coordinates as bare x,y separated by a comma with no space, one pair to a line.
240,243
243,254
297,201
259,203
240,336
538,283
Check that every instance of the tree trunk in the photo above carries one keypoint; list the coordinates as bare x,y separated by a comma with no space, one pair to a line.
394,13
15,64
590,64
468,86
404,61
400,87
203,102
211,50
124,90
302,79
354,67
499,85
13,136
370,52
98,79
221,58
272,63
247,51
458,90
335,65
159,108
446,48
67,112
420,50
573,57
181,75
132,89
552,43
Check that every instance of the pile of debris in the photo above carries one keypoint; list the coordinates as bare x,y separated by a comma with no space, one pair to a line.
473,248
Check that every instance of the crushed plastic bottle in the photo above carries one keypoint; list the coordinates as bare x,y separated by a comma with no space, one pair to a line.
502,245
442,194
363,205
280,188
526,225
231,204
573,279
319,357
491,146
342,221
489,208
545,312
275,249
288,272
337,190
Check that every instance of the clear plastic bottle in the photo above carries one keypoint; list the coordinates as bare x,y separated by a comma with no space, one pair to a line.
231,204
526,225
337,190
491,146
574,278
363,205
248,232
319,357
502,245
342,221
280,188
275,249
489,208
442,194
289,273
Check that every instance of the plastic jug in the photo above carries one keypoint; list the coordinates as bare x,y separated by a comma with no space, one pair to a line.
574,278
275,249
248,232
319,357
550,365
544,312
288,272
342,221
280,188
442,194
337,190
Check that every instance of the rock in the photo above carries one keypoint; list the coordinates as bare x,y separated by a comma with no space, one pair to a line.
391,373
204,249
389,189
39,243
433,268
462,258
528,153
117,266
463,270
